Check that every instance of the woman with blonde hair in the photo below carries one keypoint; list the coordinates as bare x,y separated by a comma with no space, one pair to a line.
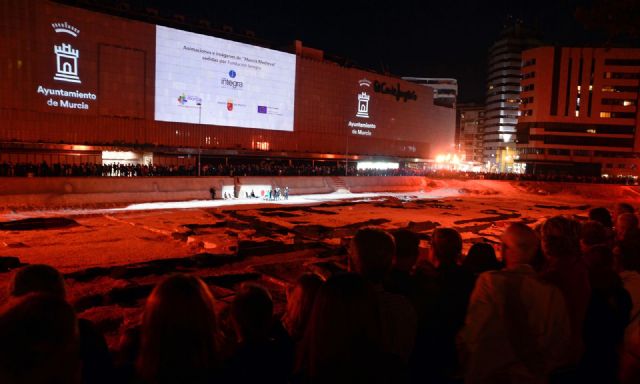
179,335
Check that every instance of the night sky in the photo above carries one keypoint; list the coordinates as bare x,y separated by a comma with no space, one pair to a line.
446,38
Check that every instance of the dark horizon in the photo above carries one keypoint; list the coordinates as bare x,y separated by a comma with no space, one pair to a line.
443,39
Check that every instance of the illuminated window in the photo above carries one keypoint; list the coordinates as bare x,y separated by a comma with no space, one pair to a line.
261,145
627,103
591,130
605,115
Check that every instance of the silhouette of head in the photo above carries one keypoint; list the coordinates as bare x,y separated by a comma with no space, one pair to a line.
252,312
481,258
407,249
602,216
179,332
39,341
372,253
520,245
300,299
626,225
446,245
560,238
38,278
592,233
343,328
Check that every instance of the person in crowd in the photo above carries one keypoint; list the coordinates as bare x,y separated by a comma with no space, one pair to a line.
602,216
179,334
258,357
627,226
97,364
481,258
39,341
300,299
627,252
212,191
517,327
592,233
289,331
343,340
565,269
454,285
606,319
400,279
621,208
371,255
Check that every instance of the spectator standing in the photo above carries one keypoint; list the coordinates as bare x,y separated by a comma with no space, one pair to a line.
179,335
39,341
606,319
517,328
401,280
97,364
453,288
371,255
628,254
258,358
565,269
481,258
343,342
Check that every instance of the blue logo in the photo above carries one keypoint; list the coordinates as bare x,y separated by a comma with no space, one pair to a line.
262,109
232,74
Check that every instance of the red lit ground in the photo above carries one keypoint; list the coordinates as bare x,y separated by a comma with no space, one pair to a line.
112,258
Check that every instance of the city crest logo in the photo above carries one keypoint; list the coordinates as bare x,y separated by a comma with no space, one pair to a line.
66,55
363,99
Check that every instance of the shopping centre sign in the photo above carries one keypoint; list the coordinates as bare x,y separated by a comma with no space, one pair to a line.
395,91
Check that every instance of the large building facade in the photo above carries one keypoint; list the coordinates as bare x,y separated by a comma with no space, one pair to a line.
503,98
77,86
445,90
470,132
579,111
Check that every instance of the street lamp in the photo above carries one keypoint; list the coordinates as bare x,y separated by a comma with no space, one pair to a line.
346,157
199,104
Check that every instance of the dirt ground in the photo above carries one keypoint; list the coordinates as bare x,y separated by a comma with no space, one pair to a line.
112,258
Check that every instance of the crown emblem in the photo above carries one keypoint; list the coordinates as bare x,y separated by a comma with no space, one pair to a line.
65,28
65,49
363,96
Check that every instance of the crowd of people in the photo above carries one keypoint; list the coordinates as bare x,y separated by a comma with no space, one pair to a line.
560,305
262,168
275,168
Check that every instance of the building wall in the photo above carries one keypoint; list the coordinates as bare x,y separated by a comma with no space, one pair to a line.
503,97
445,91
471,132
580,105
117,65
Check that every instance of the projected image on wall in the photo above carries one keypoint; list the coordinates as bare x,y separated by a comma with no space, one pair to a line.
206,80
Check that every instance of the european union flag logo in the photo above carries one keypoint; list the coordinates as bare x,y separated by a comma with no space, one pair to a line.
262,109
